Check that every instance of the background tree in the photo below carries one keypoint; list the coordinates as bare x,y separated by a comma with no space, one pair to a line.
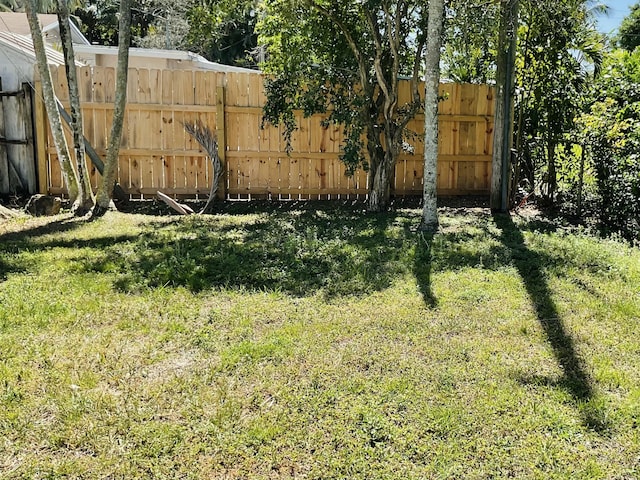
345,59
224,31
610,130
560,51
470,43
220,30
107,183
629,32
98,20
503,131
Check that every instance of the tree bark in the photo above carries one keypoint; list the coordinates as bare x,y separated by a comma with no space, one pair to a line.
85,195
552,180
380,188
105,190
432,85
502,132
62,149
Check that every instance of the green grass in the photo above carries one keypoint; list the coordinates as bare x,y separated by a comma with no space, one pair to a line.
314,341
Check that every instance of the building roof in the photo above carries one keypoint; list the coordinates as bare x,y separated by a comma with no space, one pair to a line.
17,23
198,61
23,45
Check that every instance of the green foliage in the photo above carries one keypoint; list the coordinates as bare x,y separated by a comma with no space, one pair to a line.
470,43
611,129
560,53
98,20
345,59
223,31
629,32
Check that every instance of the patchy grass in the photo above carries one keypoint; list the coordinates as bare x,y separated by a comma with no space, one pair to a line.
316,342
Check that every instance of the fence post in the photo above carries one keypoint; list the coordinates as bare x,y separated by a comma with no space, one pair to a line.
222,141
40,136
5,185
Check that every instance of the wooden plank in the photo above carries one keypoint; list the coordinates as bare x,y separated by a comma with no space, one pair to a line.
200,86
201,172
191,178
25,113
211,83
167,90
5,184
143,87
168,164
109,79
146,166
255,93
467,138
85,83
242,80
55,173
59,79
41,137
222,138
468,100
135,172
132,86
155,87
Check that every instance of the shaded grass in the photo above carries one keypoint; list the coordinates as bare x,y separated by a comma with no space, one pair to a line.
315,342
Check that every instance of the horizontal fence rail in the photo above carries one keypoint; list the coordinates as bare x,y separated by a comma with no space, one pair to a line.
156,153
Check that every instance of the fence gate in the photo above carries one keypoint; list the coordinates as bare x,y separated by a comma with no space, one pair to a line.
17,161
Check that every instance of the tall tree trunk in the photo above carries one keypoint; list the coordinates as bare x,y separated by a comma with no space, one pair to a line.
432,85
62,149
85,195
503,126
380,184
552,180
105,190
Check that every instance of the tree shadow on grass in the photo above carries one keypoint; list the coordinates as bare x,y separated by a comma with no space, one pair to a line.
12,243
61,225
299,252
575,377
422,266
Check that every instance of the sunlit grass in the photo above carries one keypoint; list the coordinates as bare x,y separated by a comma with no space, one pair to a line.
316,342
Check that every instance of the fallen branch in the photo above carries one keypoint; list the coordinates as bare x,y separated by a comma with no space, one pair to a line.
181,208
8,213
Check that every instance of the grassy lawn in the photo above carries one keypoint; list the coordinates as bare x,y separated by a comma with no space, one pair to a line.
312,341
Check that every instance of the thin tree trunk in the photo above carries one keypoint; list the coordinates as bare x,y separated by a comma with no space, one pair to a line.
85,195
62,149
551,169
105,190
581,180
503,125
432,85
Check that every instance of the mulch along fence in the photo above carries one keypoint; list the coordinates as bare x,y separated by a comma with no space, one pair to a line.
157,154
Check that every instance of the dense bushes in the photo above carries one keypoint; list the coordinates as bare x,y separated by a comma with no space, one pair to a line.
611,128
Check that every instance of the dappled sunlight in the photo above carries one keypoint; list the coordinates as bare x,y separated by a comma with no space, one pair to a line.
299,252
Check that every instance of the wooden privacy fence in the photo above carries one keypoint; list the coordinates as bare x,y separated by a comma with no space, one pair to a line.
157,154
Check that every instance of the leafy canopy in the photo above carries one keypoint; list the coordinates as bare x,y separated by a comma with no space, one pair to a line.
629,31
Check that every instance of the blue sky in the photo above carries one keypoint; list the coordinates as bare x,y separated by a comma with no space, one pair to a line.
618,9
